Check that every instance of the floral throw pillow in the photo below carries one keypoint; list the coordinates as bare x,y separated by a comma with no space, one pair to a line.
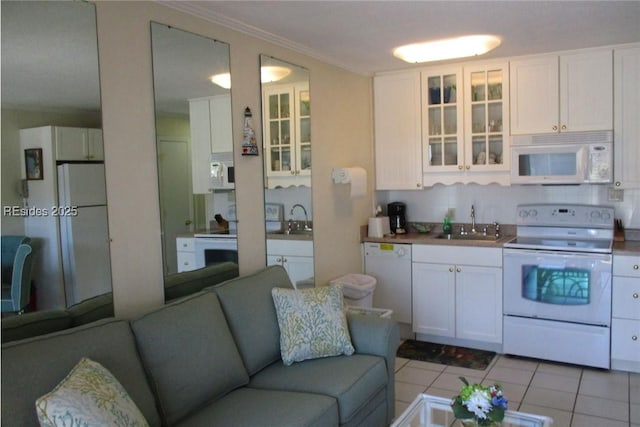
312,323
89,396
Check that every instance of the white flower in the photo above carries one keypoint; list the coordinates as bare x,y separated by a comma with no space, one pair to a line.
479,403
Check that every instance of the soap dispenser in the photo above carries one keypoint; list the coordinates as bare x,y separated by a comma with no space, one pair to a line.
446,226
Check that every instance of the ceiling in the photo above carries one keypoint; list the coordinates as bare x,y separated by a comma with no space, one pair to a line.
354,35
361,35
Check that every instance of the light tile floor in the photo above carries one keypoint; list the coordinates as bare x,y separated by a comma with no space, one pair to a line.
573,396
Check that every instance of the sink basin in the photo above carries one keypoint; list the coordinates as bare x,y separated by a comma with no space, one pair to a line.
477,236
293,232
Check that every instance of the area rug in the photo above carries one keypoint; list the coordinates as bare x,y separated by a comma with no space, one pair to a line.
445,354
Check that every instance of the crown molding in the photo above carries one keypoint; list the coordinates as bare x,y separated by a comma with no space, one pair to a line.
196,8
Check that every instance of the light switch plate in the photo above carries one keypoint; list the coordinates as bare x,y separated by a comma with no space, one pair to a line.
615,194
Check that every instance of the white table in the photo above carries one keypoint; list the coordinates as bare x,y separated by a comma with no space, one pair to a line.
433,411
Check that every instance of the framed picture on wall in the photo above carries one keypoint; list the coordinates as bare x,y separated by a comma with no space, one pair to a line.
33,163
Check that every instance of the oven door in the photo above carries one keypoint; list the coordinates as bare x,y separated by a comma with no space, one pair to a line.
215,250
565,286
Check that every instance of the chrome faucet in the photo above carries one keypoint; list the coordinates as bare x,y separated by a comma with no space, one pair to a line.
473,219
306,217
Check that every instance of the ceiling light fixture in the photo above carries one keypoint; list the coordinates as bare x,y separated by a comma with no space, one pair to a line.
272,73
456,47
223,80
268,74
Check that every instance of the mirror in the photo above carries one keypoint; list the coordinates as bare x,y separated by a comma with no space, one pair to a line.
51,114
286,119
195,149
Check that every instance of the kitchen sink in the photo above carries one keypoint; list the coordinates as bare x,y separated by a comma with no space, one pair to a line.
293,232
470,237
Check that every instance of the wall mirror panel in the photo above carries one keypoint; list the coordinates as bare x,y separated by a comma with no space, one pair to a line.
286,119
52,152
195,149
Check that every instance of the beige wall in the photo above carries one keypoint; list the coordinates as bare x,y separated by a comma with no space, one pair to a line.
341,129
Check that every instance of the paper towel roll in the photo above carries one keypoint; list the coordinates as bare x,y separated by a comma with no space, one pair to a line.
356,176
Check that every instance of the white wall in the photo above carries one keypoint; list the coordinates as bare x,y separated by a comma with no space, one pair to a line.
341,129
498,203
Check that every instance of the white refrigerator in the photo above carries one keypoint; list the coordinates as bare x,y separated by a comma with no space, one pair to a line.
84,234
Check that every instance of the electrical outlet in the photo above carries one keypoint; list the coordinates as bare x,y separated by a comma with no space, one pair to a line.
615,195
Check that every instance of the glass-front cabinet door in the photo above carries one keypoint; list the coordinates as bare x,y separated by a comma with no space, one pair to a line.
287,135
442,119
486,124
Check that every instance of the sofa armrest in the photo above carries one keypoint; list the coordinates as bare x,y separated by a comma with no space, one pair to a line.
378,336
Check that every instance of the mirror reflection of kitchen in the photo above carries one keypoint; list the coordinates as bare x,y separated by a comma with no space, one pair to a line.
52,152
195,149
286,118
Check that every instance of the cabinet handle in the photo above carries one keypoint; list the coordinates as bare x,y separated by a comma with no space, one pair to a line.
564,127
284,259
458,269
418,185
555,128
634,338
635,267
468,167
451,269
635,295
460,167
618,183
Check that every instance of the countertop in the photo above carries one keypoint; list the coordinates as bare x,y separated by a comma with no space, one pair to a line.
628,247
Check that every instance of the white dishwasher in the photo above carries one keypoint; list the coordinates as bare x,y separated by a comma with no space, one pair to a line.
390,264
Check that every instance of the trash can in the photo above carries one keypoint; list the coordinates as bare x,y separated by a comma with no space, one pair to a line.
357,289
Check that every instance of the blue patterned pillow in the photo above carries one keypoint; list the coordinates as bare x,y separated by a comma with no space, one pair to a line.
312,323
89,396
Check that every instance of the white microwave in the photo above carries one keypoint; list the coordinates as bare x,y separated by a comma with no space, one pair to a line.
222,172
563,158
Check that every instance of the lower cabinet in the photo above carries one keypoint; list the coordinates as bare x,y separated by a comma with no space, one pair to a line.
625,313
186,254
457,292
296,256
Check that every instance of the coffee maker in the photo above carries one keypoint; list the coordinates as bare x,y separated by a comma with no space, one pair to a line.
397,218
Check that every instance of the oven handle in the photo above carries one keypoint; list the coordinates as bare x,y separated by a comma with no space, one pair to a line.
562,254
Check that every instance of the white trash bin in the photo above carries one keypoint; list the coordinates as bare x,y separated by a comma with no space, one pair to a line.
357,289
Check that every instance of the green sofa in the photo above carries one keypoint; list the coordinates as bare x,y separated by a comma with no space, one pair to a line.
213,359
176,286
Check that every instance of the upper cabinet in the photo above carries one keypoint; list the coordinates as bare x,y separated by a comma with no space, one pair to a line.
398,133
442,119
287,135
210,126
566,93
78,144
627,110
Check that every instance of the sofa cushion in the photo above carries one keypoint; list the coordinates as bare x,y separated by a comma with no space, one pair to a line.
249,309
189,282
312,323
33,367
32,324
90,395
189,354
92,309
353,381
248,407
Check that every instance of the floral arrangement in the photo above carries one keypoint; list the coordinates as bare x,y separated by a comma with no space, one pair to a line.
484,405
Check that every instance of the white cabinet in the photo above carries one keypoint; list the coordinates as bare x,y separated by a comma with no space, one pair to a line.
457,292
566,93
625,324
287,135
398,131
78,144
626,112
296,256
210,127
186,253
442,118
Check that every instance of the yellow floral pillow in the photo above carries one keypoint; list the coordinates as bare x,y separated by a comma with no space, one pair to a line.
312,323
89,396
